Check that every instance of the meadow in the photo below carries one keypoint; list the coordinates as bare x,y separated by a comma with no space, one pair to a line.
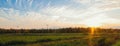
57,39
60,37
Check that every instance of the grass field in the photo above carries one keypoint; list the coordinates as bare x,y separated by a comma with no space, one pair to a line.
58,39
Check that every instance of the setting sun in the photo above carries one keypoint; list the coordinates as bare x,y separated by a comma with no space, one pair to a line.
93,24
96,21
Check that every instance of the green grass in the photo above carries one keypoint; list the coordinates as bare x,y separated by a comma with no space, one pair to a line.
56,39
4,38
117,43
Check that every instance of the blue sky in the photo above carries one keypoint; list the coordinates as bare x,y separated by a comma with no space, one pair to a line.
59,13
34,5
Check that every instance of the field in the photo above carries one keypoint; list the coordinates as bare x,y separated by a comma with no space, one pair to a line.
58,39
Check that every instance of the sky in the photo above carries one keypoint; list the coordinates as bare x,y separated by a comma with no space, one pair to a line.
59,13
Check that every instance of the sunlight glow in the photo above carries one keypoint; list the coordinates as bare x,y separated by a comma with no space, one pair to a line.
91,36
96,21
92,30
93,24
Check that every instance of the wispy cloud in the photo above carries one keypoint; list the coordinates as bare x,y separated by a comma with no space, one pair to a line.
37,14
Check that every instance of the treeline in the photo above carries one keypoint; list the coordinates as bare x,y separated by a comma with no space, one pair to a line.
61,30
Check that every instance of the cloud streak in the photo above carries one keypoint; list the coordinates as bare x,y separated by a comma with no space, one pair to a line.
38,14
